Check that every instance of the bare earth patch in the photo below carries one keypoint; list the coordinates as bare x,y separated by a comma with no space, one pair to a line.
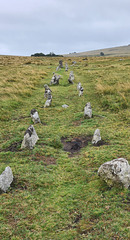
14,147
75,144
46,160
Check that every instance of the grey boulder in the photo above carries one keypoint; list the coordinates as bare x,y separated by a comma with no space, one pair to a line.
115,172
6,178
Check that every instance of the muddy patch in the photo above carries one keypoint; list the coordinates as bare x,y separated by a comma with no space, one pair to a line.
100,143
75,144
46,160
14,147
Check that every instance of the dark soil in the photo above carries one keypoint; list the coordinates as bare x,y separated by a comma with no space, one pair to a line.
14,147
100,143
75,144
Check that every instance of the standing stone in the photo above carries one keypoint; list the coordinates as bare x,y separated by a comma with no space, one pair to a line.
71,77
48,101
30,138
66,67
6,178
55,79
35,116
81,91
96,137
47,91
78,86
115,172
88,110
60,64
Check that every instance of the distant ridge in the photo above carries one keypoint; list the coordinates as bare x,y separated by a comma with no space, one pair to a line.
114,51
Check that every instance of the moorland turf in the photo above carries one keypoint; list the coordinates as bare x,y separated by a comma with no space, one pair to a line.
57,194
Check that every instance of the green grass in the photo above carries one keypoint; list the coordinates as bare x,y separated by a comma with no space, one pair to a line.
65,200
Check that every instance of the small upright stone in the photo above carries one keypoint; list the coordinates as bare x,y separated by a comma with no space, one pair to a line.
55,79
60,64
88,110
71,77
6,178
78,86
96,137
35,116
81,91
48,101
66,67
30,138
47,91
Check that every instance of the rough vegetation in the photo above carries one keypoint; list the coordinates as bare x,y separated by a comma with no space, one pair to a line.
57,194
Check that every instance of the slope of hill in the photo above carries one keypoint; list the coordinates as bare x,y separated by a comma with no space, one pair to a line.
57,194
112,52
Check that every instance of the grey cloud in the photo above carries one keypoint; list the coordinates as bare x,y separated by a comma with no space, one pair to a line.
28,26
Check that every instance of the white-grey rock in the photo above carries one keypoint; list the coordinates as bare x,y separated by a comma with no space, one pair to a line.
6,178
55,79
96,137
35,116
47,91
30,138
65,106
81,91
88,111
71,77
66,67
78,86
48,101
115,172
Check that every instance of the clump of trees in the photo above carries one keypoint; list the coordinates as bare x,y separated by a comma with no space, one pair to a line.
102,54
51,54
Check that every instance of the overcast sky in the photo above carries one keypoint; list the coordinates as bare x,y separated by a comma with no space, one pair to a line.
62,26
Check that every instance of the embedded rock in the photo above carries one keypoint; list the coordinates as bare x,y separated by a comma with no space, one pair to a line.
65,106
115,172
96,137
88,111
30,138
6,178
35,116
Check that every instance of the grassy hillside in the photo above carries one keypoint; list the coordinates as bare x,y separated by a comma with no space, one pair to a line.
121,51
57,194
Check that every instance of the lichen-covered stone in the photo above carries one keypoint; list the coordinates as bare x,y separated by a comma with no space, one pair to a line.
6,178
96,137
115,172
35,116
88,111
30,138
